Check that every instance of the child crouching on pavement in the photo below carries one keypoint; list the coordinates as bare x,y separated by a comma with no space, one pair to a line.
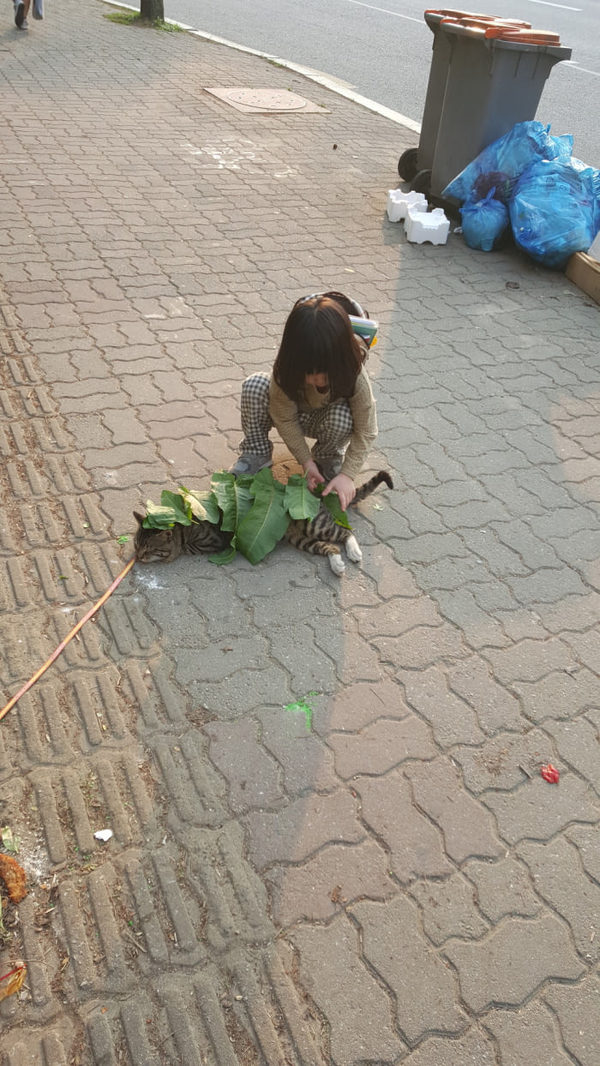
319,389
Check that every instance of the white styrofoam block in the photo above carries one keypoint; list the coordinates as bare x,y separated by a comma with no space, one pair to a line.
398,203
421,226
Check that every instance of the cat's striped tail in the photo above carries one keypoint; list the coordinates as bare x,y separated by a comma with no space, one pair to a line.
369,486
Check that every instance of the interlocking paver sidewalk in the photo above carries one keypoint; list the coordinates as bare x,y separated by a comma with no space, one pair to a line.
390,881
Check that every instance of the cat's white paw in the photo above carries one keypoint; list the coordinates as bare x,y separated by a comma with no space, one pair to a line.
353,549
337,564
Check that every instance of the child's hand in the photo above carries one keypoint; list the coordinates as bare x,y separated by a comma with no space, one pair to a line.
314,476
345,488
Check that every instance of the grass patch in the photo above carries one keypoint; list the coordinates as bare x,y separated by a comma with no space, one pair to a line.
133,18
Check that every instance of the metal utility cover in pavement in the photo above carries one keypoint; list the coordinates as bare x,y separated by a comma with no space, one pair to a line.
267,101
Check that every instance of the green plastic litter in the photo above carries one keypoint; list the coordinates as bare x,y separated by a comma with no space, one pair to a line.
304,707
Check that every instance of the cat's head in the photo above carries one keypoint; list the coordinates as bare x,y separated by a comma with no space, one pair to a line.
155,545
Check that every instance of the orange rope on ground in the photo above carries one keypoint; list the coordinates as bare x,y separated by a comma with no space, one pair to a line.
63,644
17,979
17,969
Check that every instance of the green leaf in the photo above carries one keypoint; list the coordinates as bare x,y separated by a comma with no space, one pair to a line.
158,517
266,522
304,707
234,496
224,557
244,496
222,485
10,842
123,539
299,501
181,508
203,505
333,505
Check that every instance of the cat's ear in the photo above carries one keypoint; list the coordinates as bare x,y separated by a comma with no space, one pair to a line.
138,517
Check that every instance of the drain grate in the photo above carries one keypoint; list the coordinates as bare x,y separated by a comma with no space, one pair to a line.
266,101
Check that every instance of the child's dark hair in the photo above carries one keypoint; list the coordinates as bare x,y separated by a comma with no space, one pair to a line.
318,339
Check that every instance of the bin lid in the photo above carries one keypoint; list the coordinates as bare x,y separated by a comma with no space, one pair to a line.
500,34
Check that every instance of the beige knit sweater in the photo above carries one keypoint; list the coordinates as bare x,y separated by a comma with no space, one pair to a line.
284,413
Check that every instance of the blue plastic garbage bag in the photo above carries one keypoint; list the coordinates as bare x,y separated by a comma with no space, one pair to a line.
484,222
564,147
555,210
502,162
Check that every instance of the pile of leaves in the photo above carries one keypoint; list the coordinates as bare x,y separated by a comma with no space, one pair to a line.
255,509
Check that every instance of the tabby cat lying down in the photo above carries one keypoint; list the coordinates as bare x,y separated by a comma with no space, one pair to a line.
319,535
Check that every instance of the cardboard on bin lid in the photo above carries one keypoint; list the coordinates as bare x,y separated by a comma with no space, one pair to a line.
447,13
473,29
489,23
501,32
524,36
472,16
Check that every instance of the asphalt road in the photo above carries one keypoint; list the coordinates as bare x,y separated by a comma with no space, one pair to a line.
383,49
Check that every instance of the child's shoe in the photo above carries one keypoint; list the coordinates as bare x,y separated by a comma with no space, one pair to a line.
250,464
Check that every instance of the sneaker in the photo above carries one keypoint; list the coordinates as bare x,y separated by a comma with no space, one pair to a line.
25,25
249,464
19,14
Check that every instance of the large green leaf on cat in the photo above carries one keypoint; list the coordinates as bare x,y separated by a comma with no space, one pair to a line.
181,508
298,500
234,497
266,522
332,502
204,505
224,557
164,516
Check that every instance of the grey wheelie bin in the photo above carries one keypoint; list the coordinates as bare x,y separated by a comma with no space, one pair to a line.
414,160
493,82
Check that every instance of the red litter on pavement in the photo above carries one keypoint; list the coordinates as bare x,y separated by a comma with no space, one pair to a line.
550,774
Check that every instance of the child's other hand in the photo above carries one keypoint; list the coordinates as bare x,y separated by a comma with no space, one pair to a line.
314,476
345,488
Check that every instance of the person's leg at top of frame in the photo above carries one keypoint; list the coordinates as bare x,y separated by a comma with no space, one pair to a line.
21,13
